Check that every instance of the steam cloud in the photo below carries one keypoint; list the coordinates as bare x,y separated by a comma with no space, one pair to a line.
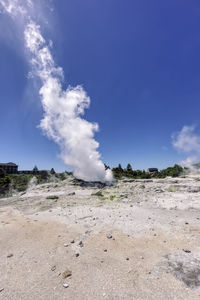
63,109
187,141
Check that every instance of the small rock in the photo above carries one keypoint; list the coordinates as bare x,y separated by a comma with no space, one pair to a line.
127,258
72,242
109,236
80,244
186,250
72,194
186,223
9,255
66,273
77,254
65,285
105,250
1,290
53,268
66,245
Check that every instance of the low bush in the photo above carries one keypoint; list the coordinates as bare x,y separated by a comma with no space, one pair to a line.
52,197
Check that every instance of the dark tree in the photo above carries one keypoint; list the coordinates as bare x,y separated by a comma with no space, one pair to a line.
129,168
52,172
120,167
106,167
2,173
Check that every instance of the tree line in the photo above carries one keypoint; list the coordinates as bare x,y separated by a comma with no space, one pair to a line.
119,172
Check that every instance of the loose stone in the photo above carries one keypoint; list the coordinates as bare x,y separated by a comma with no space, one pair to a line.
9,255
66,273
53,268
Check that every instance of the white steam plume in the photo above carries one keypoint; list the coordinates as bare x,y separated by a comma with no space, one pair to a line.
63,109
187,141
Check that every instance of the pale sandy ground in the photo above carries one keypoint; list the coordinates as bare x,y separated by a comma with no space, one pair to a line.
151,224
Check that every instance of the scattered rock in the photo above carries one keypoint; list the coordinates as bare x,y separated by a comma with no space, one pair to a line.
10,255
109,236
53,268
66,273
186,250
65,285
80,244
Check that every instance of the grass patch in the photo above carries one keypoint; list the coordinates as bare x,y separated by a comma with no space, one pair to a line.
52,197
112,197
99,194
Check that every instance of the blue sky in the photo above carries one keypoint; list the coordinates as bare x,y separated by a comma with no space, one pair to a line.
138,61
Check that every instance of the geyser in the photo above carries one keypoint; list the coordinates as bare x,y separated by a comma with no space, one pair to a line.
63,109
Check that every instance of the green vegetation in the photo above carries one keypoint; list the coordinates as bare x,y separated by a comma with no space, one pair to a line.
4,185
52,197
61,176
20,182
112,197
99,194
128,172
52,172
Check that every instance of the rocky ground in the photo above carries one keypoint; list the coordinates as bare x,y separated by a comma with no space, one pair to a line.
137,239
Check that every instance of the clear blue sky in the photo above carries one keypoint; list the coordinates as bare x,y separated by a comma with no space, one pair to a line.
139,62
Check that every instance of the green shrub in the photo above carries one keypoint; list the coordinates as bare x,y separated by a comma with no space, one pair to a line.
112,197
52,197
4,186
99,194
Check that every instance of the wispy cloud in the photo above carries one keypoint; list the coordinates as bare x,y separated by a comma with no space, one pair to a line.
187,141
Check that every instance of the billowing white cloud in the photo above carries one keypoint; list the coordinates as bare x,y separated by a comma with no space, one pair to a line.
187,141
63,109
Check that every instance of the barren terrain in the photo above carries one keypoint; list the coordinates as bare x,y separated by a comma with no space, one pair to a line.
137,239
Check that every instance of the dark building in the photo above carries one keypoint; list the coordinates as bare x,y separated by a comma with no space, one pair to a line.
152,170
9,168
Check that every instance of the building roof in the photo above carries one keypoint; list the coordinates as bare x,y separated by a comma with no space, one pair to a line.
8,164
152,169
